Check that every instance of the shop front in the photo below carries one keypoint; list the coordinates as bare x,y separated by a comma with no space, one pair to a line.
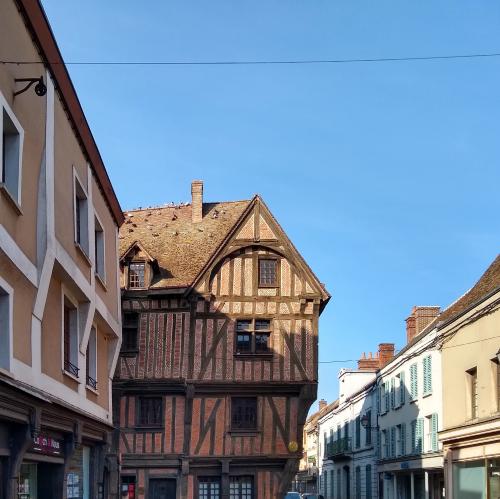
49,451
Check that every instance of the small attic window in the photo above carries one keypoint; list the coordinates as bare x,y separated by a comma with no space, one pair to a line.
136,271
268,272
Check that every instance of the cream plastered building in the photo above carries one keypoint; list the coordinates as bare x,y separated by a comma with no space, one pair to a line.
410,414
470,351
60,320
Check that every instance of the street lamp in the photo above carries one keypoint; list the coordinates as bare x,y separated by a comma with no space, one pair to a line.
365,423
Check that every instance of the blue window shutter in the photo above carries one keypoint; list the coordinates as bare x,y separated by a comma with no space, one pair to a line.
414,381
403,439
414,436
402,388
434,432
393,393
429,374
368,481
420,435
332,489
393,441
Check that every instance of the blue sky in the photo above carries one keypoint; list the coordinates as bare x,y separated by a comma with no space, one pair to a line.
385,175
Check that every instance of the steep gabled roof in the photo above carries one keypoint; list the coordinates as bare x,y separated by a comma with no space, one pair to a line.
185,251
180,246
488,283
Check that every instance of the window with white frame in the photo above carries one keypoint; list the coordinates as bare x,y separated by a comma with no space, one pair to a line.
99,250
91,359
70,337
5,328
431,444
11,151
81,217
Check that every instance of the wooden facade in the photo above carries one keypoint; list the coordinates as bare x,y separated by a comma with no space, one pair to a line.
187,361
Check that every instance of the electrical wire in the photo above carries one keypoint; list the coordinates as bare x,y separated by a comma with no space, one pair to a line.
262,62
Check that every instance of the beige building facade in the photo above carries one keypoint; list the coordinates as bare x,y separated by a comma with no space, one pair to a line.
60,318
470,332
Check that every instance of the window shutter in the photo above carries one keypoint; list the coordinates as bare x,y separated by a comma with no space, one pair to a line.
429,374
368,481
369,428
402,388
434,432
358,482
403,439
332,489
414,436
358,432
386,395
413,381
393,441
379,399
393,393
420,434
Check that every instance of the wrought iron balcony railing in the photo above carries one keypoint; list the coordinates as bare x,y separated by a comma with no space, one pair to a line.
71,368
338,449
91,382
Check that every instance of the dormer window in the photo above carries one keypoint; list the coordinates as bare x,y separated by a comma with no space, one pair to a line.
136,272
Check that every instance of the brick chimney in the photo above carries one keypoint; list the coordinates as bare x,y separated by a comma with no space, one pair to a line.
322,404
197,200
385,353
368,362
419,319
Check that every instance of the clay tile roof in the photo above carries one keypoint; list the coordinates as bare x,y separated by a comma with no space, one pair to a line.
181,248
487,284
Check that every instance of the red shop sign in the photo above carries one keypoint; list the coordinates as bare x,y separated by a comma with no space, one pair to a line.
47,445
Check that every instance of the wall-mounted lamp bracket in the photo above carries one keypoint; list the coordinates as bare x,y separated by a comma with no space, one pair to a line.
40,87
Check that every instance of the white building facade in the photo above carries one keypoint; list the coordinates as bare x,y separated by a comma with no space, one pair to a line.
348,450
409,406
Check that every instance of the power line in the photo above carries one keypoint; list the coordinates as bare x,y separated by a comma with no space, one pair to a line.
262,62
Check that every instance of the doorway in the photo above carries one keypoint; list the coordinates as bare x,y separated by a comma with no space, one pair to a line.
162,488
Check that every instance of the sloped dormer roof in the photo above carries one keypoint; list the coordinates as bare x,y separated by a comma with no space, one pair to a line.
180,246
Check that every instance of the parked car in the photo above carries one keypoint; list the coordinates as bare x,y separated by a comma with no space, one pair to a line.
292,495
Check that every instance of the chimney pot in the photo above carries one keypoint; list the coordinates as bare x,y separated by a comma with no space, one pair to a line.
385,353
419,319
197,201
322,404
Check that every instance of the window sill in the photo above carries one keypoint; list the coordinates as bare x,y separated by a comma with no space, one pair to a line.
83,253
428,394
71,376
149,428
90,389
268,286
412,401
254,356
247,433
101,281
15,205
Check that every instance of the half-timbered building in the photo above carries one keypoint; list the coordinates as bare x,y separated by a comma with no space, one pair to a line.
219,359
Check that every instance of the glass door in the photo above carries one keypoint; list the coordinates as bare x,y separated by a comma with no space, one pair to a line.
27,482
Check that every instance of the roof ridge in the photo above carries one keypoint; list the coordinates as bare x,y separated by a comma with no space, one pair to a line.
181,205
